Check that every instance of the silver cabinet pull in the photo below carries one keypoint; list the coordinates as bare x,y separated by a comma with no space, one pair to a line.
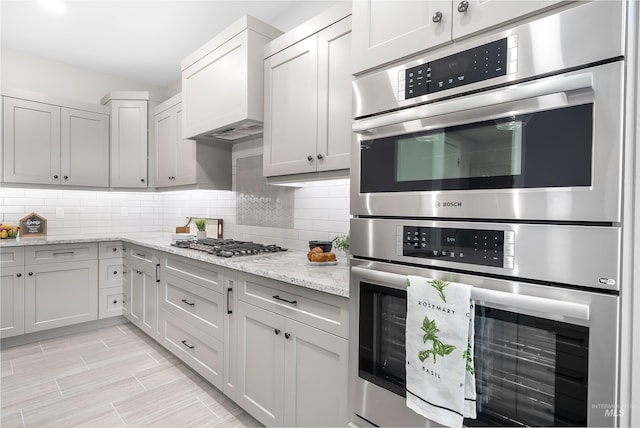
437,17
463,6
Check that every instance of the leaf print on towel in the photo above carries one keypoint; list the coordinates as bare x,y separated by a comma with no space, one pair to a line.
439,285
431,331
468,357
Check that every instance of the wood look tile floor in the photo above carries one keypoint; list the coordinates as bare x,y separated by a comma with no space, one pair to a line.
110,377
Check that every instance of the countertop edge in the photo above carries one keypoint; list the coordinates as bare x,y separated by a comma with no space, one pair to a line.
325,279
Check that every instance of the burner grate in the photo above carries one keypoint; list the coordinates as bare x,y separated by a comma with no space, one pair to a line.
229,247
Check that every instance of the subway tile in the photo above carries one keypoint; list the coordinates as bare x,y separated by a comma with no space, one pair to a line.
330,226
12,193
43,193
312,192
311,214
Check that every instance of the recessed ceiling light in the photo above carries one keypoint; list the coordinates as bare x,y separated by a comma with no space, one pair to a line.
53,6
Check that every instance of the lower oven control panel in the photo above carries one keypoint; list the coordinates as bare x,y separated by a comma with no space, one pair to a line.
474,246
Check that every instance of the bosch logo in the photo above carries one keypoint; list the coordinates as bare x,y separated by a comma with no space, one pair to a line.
448,204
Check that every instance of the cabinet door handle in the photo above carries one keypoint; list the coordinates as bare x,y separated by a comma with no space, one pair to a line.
114,249
66,177
277,331
287,335
186,302
463,6
55,176
157,272
310,158
19,275
30,273
115,272
142,255
293,302
115,301
229,310
184,342
320,157
437,17
142,180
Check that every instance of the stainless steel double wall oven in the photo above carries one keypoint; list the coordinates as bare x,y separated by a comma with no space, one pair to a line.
496,163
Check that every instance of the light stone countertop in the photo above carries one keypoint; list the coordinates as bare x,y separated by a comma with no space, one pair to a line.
289,266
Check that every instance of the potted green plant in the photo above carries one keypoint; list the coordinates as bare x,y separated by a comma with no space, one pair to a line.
341,242
201,224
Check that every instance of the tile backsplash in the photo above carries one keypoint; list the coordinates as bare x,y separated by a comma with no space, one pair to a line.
321,211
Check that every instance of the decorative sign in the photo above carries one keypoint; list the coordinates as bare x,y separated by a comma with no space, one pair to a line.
33,226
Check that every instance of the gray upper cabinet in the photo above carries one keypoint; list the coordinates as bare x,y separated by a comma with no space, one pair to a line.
45,143
308,97
175,157
129,138
388,30
183,162
84,148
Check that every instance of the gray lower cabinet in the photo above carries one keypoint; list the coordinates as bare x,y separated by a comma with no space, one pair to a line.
141,297
140,304
292,354
11,301
11,291
110,279
61,285
192,314
60,294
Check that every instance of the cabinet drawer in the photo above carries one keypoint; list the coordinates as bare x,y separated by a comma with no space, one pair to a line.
143,255
11,257
198,350
107,250
200,273
111,273
110,302
321,310
199,306
61,253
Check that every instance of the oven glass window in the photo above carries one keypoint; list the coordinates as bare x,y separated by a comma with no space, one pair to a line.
383,312
550,148
529,371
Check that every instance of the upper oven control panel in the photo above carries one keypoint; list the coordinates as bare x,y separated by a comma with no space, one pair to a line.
484,62
475,246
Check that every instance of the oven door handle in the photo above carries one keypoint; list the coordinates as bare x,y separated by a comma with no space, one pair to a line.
553,85
483,295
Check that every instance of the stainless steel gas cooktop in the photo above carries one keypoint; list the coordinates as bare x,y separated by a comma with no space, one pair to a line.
228,247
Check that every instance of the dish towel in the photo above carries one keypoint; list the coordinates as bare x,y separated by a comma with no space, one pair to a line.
441,384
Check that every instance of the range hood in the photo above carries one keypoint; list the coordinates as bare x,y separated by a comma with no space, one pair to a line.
222,83
242,131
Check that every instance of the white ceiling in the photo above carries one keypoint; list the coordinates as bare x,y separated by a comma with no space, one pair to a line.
140,40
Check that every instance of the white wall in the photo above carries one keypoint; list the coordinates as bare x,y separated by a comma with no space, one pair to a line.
25,71
301,11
